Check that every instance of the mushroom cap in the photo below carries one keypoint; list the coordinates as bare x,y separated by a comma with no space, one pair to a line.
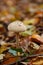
16,26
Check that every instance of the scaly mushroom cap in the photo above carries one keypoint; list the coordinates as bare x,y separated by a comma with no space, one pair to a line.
16,26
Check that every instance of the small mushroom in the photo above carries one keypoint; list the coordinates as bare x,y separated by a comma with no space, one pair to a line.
1,56
17,26
2,42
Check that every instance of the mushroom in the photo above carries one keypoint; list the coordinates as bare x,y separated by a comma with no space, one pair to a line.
1,56
17,26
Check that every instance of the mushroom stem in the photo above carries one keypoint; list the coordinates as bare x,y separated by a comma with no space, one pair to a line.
17,39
